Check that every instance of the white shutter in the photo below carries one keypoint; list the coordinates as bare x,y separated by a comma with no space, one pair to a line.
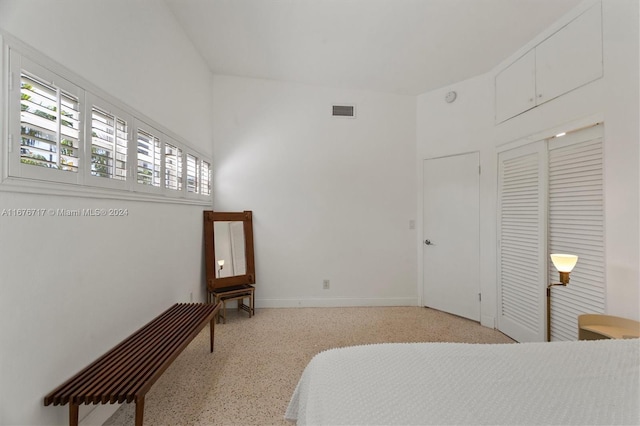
69,132
205,179
109,138
39,123
149,158
49,124
172,167
576,226
521,230
193,172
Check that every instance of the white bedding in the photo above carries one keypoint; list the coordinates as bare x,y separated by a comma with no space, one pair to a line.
579,383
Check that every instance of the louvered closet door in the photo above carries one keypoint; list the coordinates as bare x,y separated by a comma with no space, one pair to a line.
576,226
522,242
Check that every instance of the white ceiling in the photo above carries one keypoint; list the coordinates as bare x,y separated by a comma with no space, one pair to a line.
400,46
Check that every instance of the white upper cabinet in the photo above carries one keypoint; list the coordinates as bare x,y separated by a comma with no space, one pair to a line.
570,58
516,87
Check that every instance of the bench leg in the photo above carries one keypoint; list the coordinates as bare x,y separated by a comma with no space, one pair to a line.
73,414
139,410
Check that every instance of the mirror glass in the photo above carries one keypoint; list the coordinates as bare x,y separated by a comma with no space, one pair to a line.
230,249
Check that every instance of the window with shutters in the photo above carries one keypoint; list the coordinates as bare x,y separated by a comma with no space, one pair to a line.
63,130
49,120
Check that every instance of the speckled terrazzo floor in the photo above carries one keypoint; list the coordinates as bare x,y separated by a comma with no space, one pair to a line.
257,362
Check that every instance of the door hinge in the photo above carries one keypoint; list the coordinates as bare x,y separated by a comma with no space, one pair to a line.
479,170
10,141
479,297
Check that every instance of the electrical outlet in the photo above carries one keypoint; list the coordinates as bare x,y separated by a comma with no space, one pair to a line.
325,284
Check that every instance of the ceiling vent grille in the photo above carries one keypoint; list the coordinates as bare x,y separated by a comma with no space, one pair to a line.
344,111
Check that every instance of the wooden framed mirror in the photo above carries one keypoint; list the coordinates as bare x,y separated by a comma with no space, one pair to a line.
228,247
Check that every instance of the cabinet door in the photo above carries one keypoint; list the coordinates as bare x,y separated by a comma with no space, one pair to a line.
516,87
576,225
571,57
522,226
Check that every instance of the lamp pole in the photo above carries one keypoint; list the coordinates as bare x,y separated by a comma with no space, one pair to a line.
549,308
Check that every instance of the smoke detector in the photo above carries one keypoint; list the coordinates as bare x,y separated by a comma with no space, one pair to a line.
450,97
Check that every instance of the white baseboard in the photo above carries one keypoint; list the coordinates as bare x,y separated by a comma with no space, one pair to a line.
335,302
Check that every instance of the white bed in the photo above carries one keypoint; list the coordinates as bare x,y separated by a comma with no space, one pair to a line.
579,383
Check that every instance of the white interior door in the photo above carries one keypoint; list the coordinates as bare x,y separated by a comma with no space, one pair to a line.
451,235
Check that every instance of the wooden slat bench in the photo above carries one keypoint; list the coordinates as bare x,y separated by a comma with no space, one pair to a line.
127,372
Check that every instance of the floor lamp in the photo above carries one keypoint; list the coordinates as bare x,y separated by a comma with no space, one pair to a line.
564,263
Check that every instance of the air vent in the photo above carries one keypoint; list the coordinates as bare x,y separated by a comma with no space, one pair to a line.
344,111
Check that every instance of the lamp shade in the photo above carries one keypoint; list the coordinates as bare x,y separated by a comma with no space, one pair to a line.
221,262
564,262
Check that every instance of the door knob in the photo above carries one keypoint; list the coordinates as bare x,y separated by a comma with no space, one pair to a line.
429,243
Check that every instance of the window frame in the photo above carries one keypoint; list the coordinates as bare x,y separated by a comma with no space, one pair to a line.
15,176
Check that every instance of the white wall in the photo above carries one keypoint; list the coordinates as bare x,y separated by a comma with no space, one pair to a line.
72,287
449,129
622,147
331,197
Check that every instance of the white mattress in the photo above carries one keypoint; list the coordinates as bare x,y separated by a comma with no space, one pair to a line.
579,383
